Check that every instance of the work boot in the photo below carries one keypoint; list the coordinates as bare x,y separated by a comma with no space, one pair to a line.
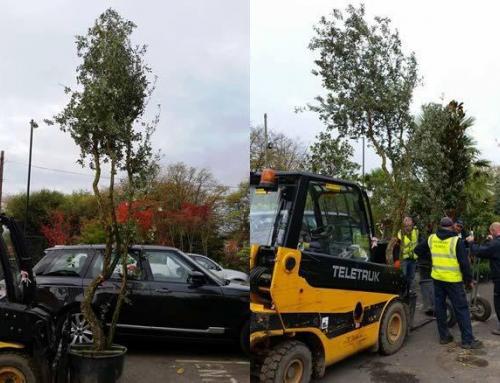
476,344
446,340
496,331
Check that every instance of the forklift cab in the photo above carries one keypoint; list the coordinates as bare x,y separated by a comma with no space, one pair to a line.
320,287
28,344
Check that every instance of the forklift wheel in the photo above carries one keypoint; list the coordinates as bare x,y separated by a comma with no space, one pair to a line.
287,362
17,368
480,309
393,328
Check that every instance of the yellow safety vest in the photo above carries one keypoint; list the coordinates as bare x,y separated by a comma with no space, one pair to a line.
445,266
409,242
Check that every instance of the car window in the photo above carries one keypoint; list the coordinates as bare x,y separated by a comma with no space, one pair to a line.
207,263
135,271
167,266
67,263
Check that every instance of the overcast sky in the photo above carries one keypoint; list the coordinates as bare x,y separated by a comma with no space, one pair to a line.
198,49
456,44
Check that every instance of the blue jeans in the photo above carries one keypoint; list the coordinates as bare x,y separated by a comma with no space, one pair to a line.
408,267
456,293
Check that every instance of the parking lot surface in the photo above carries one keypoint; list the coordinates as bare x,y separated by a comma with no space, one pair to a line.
194,363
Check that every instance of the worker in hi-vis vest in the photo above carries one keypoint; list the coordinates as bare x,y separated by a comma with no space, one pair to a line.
408,239
450,271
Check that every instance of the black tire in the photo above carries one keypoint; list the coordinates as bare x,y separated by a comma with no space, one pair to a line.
286,358
245,338
19,366
393,328
451,319
481,309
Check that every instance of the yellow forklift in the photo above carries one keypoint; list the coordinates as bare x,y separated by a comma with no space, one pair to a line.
320,286
30,349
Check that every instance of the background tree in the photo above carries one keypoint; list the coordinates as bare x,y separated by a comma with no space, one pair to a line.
42,204
368,83
286,153
104,118
188,201
450,178
236,228
331,156
496,191
377,185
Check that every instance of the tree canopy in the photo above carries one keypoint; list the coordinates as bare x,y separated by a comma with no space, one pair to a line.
368,84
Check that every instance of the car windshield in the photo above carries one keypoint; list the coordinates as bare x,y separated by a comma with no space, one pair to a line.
66,263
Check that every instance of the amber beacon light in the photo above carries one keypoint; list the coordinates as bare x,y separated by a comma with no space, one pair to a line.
268,177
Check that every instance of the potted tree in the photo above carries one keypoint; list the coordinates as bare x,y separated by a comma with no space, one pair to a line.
104,116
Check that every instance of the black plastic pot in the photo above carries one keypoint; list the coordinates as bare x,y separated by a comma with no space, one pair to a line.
89,366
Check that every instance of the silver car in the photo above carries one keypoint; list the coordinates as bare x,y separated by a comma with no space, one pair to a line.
214,267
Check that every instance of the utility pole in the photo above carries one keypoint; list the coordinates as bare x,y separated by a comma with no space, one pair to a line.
33,125
266,163
1,177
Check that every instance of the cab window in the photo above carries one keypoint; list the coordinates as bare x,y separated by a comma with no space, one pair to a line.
334,222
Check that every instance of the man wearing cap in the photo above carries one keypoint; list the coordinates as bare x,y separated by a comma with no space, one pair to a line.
491,250
450,270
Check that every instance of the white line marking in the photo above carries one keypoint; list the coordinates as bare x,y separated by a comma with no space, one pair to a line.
205,362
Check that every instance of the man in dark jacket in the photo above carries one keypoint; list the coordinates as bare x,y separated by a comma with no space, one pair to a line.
491,250
450,270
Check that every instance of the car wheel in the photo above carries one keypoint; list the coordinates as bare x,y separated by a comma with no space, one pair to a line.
80,331
288,362
17,367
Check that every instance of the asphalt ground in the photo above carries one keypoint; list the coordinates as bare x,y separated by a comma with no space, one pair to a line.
423,359
159,361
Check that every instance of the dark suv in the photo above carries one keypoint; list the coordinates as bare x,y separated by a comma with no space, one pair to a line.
169,294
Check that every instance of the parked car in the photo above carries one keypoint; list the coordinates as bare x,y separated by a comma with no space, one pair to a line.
214,267
169,294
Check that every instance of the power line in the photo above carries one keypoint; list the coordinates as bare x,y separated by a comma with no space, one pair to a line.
79,174
55,169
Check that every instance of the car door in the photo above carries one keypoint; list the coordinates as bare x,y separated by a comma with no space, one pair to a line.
133,311
181,306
